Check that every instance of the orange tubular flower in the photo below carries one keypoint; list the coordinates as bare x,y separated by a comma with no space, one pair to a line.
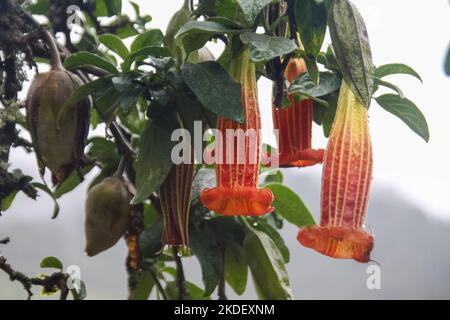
237,166
175,196
347,174
295,126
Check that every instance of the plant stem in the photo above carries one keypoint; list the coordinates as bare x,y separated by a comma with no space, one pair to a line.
180,275
55,60
159,285
221,290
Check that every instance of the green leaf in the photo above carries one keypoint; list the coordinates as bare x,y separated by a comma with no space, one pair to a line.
209,255
227,229
276,238
107,8
193,292
72,181
81,59
395,68
380,82
145,284
146,52
311,19
351,46
330,114
51,262
289,205
98,85
263,47
236,270
194,34
274,176
7,201
44,188
154,158
209,81
41,7
150,241
252,8
114,43
407,111
267,266
328,82
152,37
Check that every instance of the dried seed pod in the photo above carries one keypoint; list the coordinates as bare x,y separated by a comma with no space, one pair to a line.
107,214
59,145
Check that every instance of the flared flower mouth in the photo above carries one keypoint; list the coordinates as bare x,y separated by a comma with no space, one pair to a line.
338,242
245,201
302,158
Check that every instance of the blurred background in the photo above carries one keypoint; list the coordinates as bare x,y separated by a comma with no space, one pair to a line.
409,210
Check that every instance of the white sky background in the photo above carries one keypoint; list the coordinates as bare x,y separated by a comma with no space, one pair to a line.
404,31
409,31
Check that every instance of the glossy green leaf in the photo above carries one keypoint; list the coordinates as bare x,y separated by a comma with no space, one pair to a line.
328,82
209,81
144,286
152,37
380,82
236,269
72,181
209,255
146,52
252,8
289,205
80,59
154,158
114,43
352,48
193,292
267,266
7,201
276,238
311,19
406,111
263,47
275,176
51,262
395,68
194,34
40,7
150,241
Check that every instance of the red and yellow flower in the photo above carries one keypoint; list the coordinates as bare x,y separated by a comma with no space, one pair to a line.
294,125
347,175
238,155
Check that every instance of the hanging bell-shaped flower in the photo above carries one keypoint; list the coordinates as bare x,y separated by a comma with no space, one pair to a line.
294,125
347,174
237,154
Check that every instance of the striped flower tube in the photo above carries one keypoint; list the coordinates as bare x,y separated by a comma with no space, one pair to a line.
294,125
347,174
238,154
175,197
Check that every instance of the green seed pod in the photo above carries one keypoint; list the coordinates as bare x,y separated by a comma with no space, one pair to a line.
107,215
59,145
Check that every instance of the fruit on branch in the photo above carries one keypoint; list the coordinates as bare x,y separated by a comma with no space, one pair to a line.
107,214
237,155
347,174
59,145
294,125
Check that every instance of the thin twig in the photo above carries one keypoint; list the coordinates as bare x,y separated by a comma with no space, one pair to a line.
180,275
49,283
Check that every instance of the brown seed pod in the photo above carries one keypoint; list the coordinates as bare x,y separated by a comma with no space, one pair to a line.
107,214
59,145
